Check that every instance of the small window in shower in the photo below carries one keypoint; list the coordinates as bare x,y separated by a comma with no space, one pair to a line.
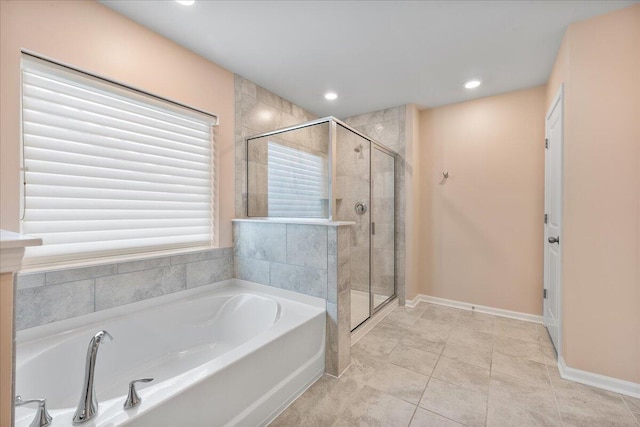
296,183
287,173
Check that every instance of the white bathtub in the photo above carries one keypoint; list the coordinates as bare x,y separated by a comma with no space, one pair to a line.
234,353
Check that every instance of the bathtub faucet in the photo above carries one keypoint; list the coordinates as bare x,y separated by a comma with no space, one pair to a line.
88,406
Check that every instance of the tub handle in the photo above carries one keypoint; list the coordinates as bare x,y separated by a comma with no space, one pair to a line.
133,399
42,418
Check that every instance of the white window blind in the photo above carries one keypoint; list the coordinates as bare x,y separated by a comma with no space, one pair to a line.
297,183
109,170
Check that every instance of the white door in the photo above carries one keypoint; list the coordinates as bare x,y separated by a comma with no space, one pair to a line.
553,219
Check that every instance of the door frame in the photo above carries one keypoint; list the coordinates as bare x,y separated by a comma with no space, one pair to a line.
558,102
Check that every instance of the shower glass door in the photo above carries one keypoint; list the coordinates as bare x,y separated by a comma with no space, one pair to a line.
351,193
382,227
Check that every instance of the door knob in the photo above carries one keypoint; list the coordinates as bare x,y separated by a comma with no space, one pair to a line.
554,239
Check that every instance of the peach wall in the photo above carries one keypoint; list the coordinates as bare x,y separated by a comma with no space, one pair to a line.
599,64
481,229
93,38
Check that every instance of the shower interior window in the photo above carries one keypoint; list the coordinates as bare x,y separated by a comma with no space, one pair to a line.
296,182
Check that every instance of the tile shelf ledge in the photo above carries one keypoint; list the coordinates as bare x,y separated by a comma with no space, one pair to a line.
12,246
306,221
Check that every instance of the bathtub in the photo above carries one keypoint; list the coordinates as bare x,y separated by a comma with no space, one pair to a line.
232,353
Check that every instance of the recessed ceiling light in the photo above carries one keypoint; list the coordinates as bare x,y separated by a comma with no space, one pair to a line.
186,2
472,84
330,96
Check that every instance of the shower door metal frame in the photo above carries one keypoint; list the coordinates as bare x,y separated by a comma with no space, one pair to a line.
331,161
372,309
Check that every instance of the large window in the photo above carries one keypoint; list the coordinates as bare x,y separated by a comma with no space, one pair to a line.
109,170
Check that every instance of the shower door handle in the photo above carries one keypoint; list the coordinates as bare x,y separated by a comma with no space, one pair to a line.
373,228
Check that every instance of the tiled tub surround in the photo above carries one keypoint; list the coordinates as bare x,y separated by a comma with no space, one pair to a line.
46,297
308,256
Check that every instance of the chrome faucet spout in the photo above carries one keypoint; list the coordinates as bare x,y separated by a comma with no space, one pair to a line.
88,406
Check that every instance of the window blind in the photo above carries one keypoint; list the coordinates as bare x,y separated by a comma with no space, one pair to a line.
108,170
297,182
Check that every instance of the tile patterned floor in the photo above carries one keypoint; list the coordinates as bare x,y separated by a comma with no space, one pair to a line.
439,366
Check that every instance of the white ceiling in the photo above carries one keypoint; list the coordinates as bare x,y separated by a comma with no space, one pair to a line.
374,54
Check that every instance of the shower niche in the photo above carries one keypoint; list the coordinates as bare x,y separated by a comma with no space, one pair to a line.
325,169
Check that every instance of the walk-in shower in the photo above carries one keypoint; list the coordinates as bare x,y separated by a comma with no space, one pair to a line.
327,169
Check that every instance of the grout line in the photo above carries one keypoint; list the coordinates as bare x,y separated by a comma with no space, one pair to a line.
493,336
624,402
555,398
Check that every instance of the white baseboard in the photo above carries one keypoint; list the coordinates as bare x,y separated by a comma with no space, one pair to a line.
474,307
627,388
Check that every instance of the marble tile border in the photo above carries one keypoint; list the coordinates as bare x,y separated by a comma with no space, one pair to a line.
50,296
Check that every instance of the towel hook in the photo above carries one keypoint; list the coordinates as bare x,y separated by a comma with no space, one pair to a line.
445,174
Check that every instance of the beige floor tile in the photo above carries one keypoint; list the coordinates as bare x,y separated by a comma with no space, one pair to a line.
582,405
462,374
441,314
456,403
431,330
525,331
595,415
472,314
399,382
469,336
476,321
632,403
422,342
378,344
544,338
320,404
515,402
413,358
424,418
386,330
479,355
517,348
402,316
363,365
371,408
533,372
550,356
484,369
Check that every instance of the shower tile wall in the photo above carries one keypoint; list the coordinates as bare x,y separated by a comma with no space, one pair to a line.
50,296
257,110
352,186
307,258
389,128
